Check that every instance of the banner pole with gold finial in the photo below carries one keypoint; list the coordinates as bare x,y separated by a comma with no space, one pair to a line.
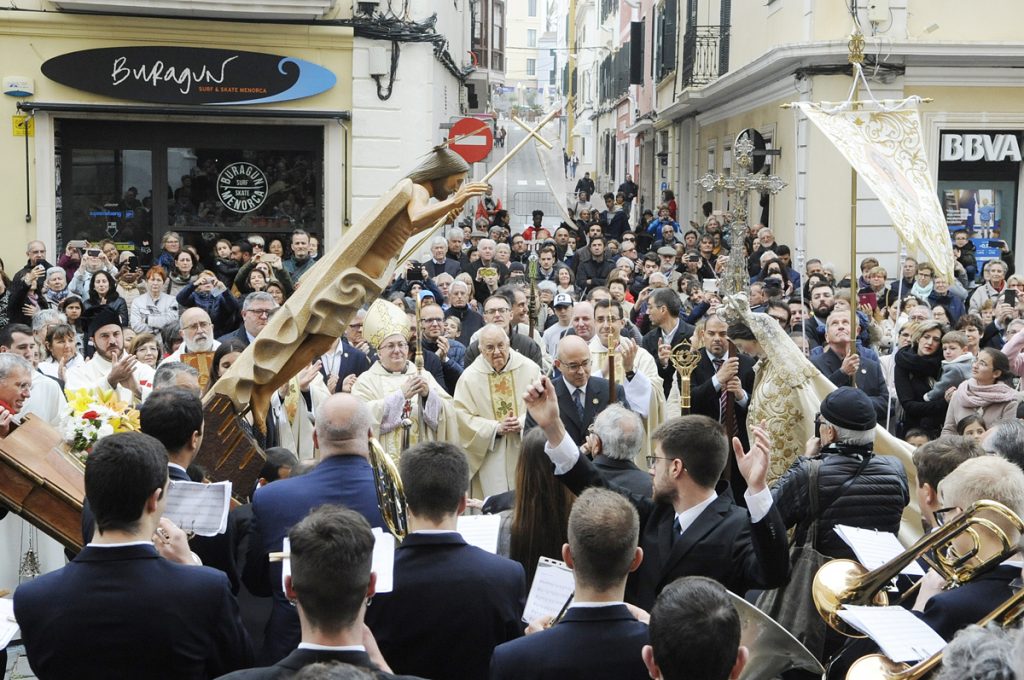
856,58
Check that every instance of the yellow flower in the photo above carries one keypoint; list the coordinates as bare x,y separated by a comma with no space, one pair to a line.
79,400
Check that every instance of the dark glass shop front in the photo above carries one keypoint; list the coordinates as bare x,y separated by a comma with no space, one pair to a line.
132,182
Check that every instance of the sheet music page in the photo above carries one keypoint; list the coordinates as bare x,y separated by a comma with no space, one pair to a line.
480,530
552,585
897,631
384,560
875,548
8,626
199,508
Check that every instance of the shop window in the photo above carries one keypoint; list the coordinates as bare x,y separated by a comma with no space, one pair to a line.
132,182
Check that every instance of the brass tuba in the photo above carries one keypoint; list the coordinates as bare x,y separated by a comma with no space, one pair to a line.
390,495
879,667
773,650
846,582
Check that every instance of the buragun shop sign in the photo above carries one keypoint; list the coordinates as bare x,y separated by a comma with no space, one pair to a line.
186,75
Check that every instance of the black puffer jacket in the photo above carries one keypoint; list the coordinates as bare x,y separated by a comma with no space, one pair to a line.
874,500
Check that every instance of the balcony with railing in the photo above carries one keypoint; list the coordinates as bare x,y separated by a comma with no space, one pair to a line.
705,54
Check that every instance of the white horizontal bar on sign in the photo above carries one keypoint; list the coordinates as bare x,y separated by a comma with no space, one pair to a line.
475,140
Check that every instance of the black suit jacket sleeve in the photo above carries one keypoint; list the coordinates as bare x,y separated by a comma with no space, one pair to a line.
763,558
232,648
585,474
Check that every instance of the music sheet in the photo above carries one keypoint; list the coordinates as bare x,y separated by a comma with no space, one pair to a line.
480,530
875,548
199,508
383,561
8,626
552,586
897,631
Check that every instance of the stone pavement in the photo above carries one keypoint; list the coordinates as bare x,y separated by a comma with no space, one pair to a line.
17,664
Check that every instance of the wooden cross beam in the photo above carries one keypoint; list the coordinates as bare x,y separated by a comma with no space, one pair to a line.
533,132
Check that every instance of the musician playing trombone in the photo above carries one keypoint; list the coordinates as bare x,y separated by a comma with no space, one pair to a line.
948,610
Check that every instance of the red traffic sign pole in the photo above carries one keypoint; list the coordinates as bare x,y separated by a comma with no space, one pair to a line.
471,138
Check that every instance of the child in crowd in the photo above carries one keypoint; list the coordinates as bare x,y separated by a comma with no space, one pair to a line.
972,427
956,364
916,437
452,328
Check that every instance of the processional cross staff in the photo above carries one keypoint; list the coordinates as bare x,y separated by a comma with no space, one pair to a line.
735,279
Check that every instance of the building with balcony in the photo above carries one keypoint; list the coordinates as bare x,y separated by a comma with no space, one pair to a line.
730,70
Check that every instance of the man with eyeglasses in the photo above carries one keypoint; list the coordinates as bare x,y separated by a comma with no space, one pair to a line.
408,405
581,395
452,353
196,334
635,369
256,312
491,413
498,311
691,526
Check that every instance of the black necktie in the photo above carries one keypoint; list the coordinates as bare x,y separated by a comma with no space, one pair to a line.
577,397
677,529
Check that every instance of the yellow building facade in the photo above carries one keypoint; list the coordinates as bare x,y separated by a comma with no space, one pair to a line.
194,144
784,51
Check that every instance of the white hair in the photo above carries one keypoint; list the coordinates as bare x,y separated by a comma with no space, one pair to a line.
454,233
439,241
620,430
852,437
457,283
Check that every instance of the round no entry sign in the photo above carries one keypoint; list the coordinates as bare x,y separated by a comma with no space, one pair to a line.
471,138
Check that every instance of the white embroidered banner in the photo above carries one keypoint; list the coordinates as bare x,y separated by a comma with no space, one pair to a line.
886,148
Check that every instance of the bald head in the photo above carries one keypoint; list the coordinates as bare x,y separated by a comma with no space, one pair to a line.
494,346
573,360
343,426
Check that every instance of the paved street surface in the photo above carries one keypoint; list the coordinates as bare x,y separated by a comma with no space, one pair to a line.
17,663
520,184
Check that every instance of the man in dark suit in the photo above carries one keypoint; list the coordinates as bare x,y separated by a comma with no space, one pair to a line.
174,417
452,602
581,396
124,607
718,372
256,312
342,361
692,526
618,435
838,364
458,297
667,331
330,552
598,637
343,476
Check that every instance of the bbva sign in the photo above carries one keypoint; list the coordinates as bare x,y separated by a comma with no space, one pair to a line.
980,146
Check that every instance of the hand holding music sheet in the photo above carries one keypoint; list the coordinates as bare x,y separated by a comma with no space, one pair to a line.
875,548
8,626
897,631
480,530
552,586
198,508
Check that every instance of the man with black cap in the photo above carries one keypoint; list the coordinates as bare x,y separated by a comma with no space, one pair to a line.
111,368
854,486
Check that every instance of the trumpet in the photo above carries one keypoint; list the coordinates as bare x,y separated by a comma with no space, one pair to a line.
390,494
879,667
846,582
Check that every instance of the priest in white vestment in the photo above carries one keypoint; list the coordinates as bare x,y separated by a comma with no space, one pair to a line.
491,412
111,368
408,405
